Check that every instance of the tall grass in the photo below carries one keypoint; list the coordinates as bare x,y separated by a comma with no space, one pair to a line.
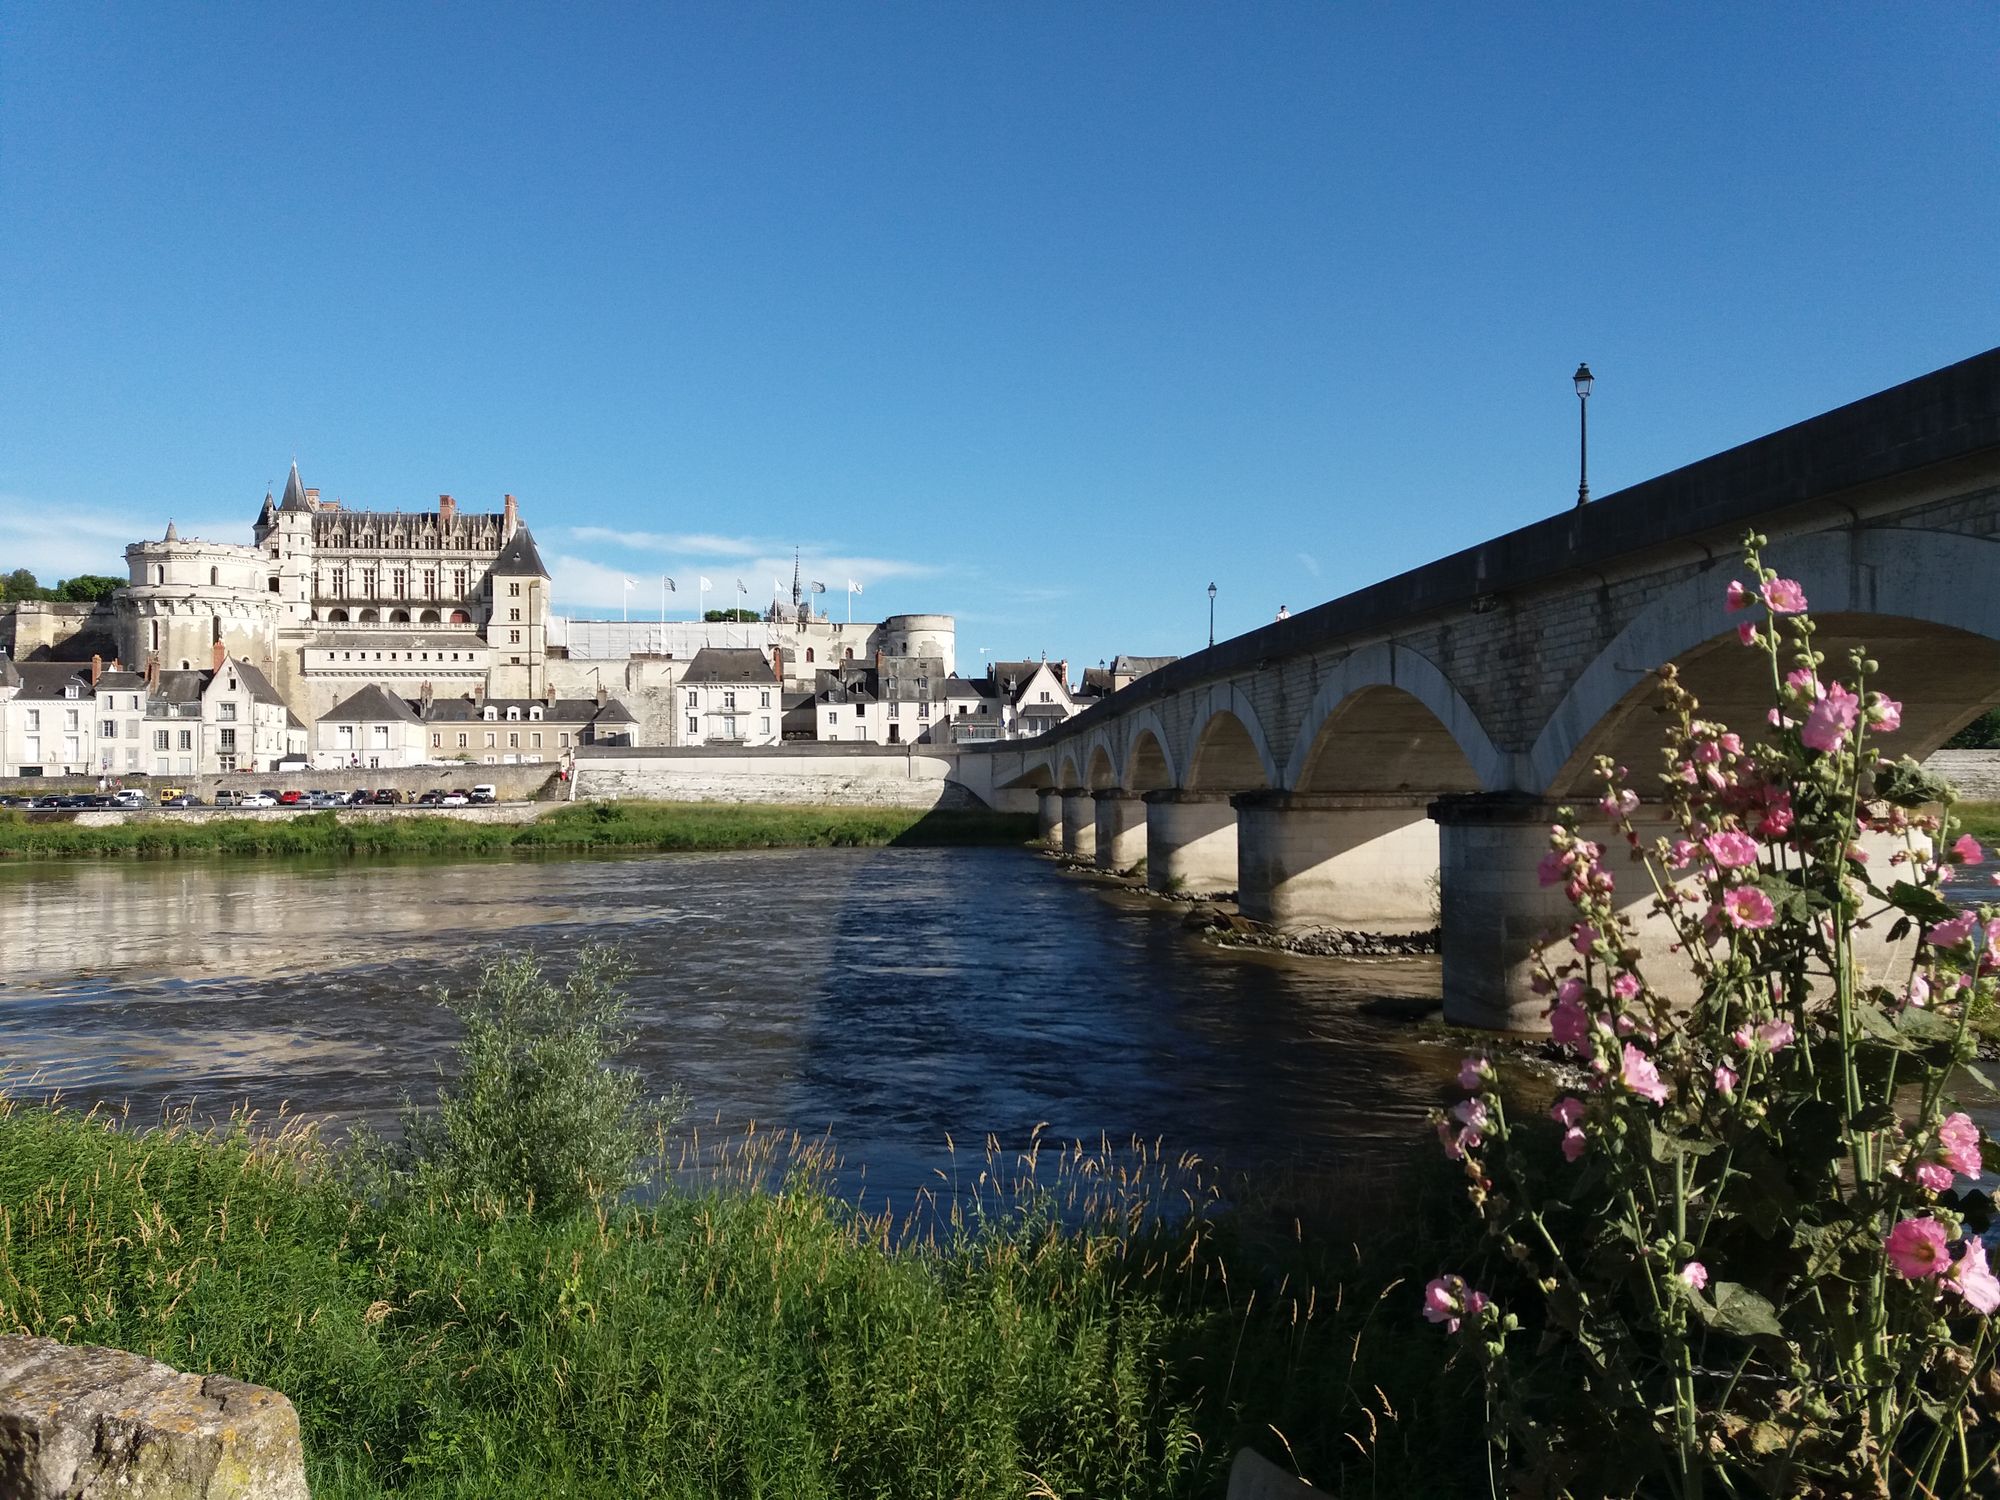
1047,1333
581,826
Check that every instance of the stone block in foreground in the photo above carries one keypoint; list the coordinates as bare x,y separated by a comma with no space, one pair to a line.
1255,1478
83,1423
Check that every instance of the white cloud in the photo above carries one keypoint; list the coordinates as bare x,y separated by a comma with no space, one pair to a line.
578,583
1309,563
53,540
695,544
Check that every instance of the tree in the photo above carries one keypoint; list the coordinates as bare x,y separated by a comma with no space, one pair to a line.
22,585
732,617
88,588
1983,733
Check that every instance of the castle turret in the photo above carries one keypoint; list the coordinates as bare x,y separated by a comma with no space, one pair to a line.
517,619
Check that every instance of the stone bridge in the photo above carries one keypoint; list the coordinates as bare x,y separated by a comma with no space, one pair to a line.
1397,754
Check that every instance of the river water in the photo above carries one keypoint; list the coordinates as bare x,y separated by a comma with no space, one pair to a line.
891,997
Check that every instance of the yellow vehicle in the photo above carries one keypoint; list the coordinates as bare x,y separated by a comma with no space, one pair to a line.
168,793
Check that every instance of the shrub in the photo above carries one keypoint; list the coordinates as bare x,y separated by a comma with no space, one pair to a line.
1738,1261
538,1117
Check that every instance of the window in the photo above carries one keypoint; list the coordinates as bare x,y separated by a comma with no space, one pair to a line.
833,716
437,741
215,578
809,653
535,741
513,741
225,711
131,729
895,710
694,729
458,584
490,713
368,583
70,720
513,614
513,637
378,736
186,741
923,710
1045,698
34,718
763,700
764,727
430,583
729,700
228,739
463,740
691,698
729,726
396,583
513,591
563,739
72,690
535,711
274,585
33,749
107,729
340,583
489,741
514,711
160,740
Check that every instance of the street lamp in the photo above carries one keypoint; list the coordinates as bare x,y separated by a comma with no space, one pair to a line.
1583,379
1211,614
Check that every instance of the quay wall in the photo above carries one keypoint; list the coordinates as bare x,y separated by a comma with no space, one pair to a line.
510,783
818,775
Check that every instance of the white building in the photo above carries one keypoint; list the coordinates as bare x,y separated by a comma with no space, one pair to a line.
372,728
730,696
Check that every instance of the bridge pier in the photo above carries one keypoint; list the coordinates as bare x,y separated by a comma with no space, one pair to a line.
1121,829
1079,823
1364,862
1495,909
1190,842
1048,815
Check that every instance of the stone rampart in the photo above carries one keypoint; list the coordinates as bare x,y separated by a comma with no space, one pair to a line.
829,776
1976,773
84,1423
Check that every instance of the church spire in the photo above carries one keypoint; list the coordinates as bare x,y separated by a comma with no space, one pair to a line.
798,593
295,492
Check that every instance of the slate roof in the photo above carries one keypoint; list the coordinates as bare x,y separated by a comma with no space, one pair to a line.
1096,682
373,703
729,664
1139,666
295,492
970,687
47,679
848,685
560,711
254,679
122,682
10,676
519,557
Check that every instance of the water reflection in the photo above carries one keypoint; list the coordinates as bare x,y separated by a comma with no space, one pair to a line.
890,996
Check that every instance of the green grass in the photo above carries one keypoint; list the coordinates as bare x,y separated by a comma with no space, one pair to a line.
1981,819
581,826
754,1338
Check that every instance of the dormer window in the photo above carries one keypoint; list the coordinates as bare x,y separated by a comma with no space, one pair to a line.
73,690
513,714
491,713
535,713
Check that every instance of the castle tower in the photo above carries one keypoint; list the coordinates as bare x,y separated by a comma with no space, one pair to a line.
517,619
186,596
288,541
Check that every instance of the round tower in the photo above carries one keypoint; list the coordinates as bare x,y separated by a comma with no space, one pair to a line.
186,596
923,635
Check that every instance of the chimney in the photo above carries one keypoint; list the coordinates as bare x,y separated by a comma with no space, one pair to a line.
312,498
116,664
549,695
778,662
152,671
96,668
424,693
478,691
219,655
447,509
510,518
602,696
878,659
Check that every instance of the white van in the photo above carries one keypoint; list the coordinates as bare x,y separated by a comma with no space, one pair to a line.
485,792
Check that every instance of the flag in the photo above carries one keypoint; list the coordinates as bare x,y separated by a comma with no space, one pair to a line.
818,587
630,584
739,587
706,585
853,587
670,585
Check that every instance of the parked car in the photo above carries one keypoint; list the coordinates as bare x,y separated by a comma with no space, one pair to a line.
290,798
229,796
453,798
358,797
388,796
185,799
485,793
324,799
259,799
432,797
128,797
165,792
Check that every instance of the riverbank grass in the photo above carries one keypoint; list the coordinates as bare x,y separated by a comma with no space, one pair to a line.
582,826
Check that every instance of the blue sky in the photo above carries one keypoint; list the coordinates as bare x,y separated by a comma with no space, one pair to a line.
1041,314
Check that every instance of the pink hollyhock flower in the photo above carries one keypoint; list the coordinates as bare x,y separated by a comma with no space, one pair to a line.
1974,1280
1958,1144
1831,720
1473,1073
1776,820
1454,1142
1748,907
1803,681
1625,986
1885,713
1553,869
1737,597
1732,744
1566,1111
1619,804
1581,936
1782,596
1448,1300
1725,1079
1695,1274
1681,853
1950,934
1775,1035
1472,1114
1574,1144
1916,1249
1919,992
1570,992
1966,847
1747,633
1731,850
1935,1176
1640,1076
1568,1024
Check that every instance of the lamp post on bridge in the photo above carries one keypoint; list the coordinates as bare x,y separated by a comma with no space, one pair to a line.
1211,614
1583,379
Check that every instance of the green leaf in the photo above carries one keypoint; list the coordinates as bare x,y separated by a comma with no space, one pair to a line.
1926,1025
1908,784
1925,905
1663,1146
1989,1154
1740,1311
1877,1023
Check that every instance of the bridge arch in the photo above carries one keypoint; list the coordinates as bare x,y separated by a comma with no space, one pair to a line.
1386,719
1101,772
1068,775
1922,602
1228,750
1149,764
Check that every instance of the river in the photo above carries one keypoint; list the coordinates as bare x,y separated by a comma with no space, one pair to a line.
891,997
